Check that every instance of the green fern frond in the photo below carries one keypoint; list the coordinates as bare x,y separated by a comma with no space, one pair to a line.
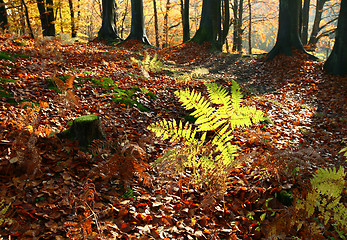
194,100
220,113
218,95
328,181
236,94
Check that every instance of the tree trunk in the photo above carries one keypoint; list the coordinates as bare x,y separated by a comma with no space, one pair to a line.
288,36
185,19
312,44
123,19
31,33
166,25
51,19
238,31
47,17
305,20
84,129
73,24
250,28
337,61
108,30
137,30
226,22
210,24
156,28
3,16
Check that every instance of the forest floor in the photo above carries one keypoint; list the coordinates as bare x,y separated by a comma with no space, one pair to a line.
49,189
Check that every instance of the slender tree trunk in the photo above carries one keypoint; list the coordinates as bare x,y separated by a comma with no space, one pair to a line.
185,19
226,23
123,19
288,36
27,19
166,25
305,20
108,30
3,16
22,18
337,61
238,32
137,30
235,24
156,28
312,44
72,15
250,28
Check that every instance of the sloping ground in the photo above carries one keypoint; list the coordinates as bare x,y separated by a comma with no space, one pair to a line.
59,192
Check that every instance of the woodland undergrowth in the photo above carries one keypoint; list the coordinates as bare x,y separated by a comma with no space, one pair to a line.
277,186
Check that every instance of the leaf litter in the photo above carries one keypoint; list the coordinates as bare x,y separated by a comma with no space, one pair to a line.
57,191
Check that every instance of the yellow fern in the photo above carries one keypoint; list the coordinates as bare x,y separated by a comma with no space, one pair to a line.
220,113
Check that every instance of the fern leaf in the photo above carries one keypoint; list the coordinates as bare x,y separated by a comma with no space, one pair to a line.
194,100
236,94
218,95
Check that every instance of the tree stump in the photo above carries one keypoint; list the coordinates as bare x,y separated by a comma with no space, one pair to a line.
84,129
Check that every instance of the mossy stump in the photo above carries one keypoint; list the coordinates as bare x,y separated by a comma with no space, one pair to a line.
84,129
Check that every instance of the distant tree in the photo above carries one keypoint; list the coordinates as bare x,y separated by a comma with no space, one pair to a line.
210,29
237,23
47,17
185,19
305,20
288,36
156,28
166,25
317,28
73,20
3,16
108,30
31,33
137,30
337,61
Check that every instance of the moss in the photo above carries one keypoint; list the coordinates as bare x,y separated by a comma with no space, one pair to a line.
86,118
104,82
4,93
5,56
125,97
9,56
5,80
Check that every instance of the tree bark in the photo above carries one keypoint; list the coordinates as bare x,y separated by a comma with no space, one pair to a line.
238,31
250,28
73,23
305,20
123,19
312,44
31,33
226,22
185,19
84,129
47,17
3,16
137,30
108,30
288,36
156,28
210,24
337,61
166,25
